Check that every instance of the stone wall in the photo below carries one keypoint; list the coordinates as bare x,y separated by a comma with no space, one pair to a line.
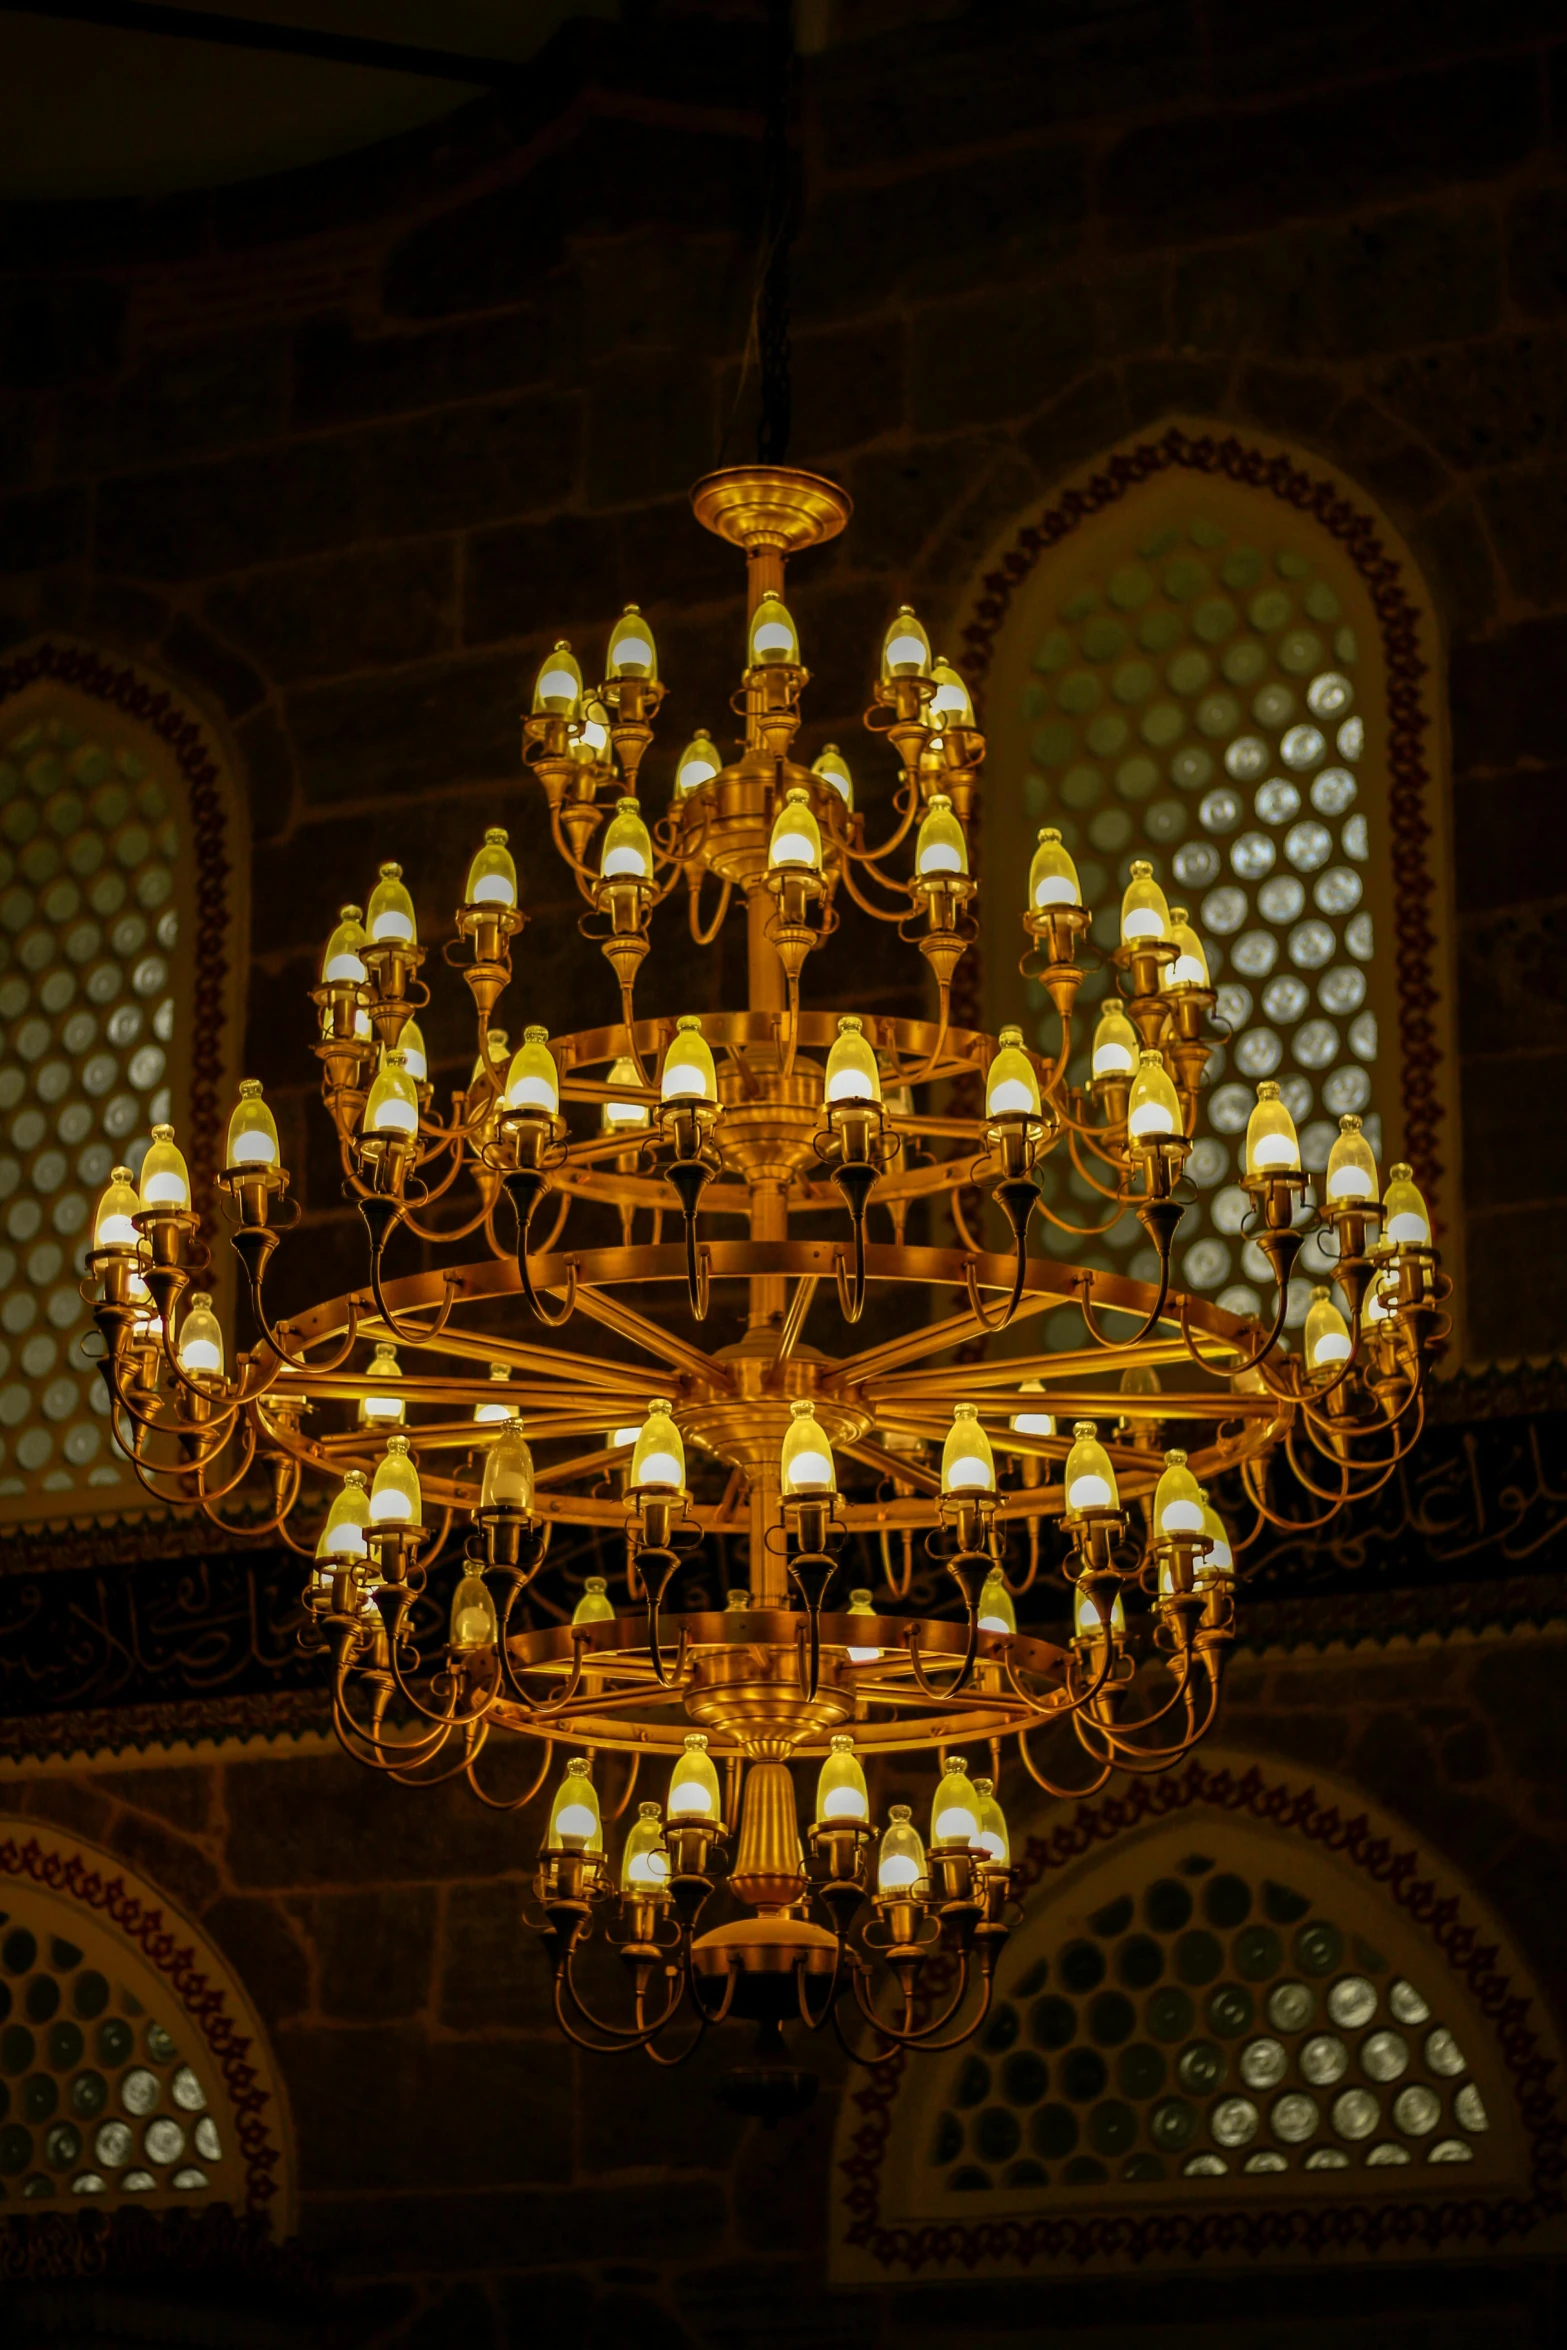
345,450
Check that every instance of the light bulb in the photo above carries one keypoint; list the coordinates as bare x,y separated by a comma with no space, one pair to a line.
1145,917
589,745
343,1535
773,637
395,1499
1326,1336
659,1457
1154,1108
841,1792
632,652
1177,1504
112,1226
699,763
594,1607
1190,968
992,1837
533,1081
492,877
967,1463
508,1470
1352,1166
201,1338
644,1864
557,690
575,1822
393,1107
693,1784
165,1178
941,847
390,917
473,1620
954,1812
1405,1216
806,1462
343,959
1115,1042
252,1137
1052,877
627,853
996,1611
1220,1558
412,1047
951,704
1011,1084
388,1409
905,649
852,1074
832,767
615,1114
900,1865
1087,1620
1089,1480
1031,1423
796,836
1272,1145
498,1408
860,1604
689,1074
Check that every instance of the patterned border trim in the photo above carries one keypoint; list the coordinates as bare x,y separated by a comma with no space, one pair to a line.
158,709
1409,720
1361,2226
71,1875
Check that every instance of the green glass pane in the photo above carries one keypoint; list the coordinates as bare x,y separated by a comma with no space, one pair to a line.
1170,2014
1200,2067
1024,2077
1052,744
1114,1918
969,2180
1289,563
1270,610
1025,2174
1111,2019
1130,587
1320,603
1106,733
1198,1957
1112,2127
1173,2124
1053,2023
1140,2168
1052,2131
1083,601
1319,1947
1230,2010
1082,787
1140,2070
947,2144
1226,1900
1079,692
1084,2171
1082,2074
1104,639
1282,1903
1157,631
1163,724
1081,1966
1136,778
1166,821
1257,1953
973,2083
1056,651
997,2134
1139,1962
1189,672
1002,2029
1184,579
1110,830
1133,682
1167,1905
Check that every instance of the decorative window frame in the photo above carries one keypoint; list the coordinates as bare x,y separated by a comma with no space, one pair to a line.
1466,1954
77,1876
55,677
1410,892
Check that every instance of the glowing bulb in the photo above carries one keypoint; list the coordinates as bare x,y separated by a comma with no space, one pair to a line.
1272,1145
533,1081
342,960
343,1535
1154,1110
201,1338
395,1499
689,1074
967,1463
992,1837
498,1409
1406,1219
508,1471
393,1107
659,1458
616,1114
900,1865
1326,1336
1145,917
1052,877
796,836
594,1607
905,649
954,1814
699,763
833,768
1190,968
806,1462
1011,1085
941,847
492,877
631,649
1030,1423
1087,1621
1115,1042
774,640
252,1136
1177,1504
415,1058
388,1409
390,919
951,704
644,1864
1090,1480
860,1605
112,1226
575,1822
557,690
852,1074
996,1611
627,853
841,1792
693,1784
1352,1166
165,1178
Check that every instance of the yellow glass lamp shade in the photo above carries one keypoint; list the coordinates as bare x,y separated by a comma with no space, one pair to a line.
860,1604
1088,1623
967,1463
833,768
508,1471
1190,968
395,1499
388,1409
252,1137
201,1338
1090,1480
112,1226
557,690
951,704
699,763
627,853
589,745
393,1107
496,1041
1379,1307
905,649
632,652
689,1075
1326,1336
644,1864
841,1792
575,1822
1011,1085
615,1115
496,1407
941,847
954,1811
1145,915
658,1458
900,1865
492,877
1272,1145
1219,1558
1405,1216
344,949
996,1611
1029,1422
1177,1503
594,1607
992,1838
343,1535
773,639
622,1439
1052,877
852,1074
1153,1111
796,836
390,915
1352,1166
473,1620
416,1058
1115,1042
533,1081
165,1178
805,1461
693,1783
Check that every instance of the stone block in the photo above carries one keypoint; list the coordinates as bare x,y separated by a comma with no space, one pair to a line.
847,387
312,1820
1311,1738
1086,422
1515,1282
1511,988
1398,280
375,739
770,2305
214,670
176,1864
1501,402
366,610
1295,400
72,1804
194,399
904,496
375,1952
1505,696
1518,1687
341,377
269,776
492,1970
1495,1169
538,2228
652,426
1200,175
180,1798
576,572
376,2108
998,355
648,291
1537,252
40,527
1525,512
1158,389
939,232
1380,452
264,1948
462,2318
629,2122
1497,833
1459,566
995,510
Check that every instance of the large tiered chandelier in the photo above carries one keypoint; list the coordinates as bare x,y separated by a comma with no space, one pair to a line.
650,1377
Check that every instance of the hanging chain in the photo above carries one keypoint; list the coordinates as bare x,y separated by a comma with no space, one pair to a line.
772,432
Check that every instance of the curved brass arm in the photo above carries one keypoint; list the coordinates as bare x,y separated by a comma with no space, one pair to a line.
1051,1786
926,2037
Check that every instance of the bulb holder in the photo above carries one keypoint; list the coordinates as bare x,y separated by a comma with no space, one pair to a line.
969,1514
859,1130
639,1916
114,1268
840,1846
526,1138
252,1189
1013,1138
656,1508
490,929
808,1518
1176,1558
567,1874
385,1161
687,1125
394,1545
902,1915
1094,1535
1162,1158
503,1529
1144,961
172,1236
626,899
692,1846
1275,1197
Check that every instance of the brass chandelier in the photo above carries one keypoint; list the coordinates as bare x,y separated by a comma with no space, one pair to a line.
751,1158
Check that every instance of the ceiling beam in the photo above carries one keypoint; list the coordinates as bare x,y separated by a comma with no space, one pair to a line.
283,40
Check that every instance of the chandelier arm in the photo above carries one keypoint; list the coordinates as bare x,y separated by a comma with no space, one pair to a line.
514,1802
458,1231
898,914
927,1069
699,936
1178,1696
450,1720
1075,1135
1050,1786
1271,1517
906,797
789,1025
794,1319
619,1810
273,1525
871,1456
247,1436
302,1362
672,1352
1125,1755
925,2038
941,1692
383,1754
614,2040
1120,1345
1230,1370
1068,1702
851,1291
587,883
1351,1493
819,2023
412,1334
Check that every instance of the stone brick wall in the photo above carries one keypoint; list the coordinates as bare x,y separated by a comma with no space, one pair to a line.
343,451
467,2179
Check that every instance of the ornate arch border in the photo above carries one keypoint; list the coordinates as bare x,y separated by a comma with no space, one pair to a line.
208,1992
1469,1943
221,927
1430,1129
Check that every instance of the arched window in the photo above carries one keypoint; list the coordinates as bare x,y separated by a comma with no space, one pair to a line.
1211,657
133,2071
121,965
1239,2018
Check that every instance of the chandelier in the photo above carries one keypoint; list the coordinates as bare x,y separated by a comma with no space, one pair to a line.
661,1376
